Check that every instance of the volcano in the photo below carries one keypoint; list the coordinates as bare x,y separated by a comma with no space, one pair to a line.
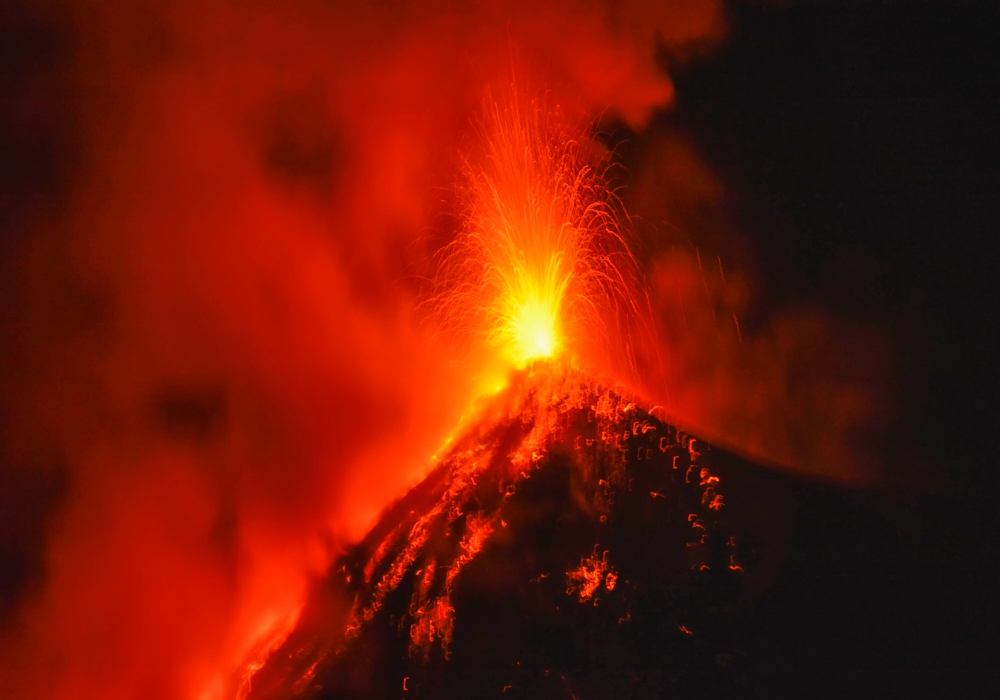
569,544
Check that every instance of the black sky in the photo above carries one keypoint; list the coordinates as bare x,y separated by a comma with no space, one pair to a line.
862,138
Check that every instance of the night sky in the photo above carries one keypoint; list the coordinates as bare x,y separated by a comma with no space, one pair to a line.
862,140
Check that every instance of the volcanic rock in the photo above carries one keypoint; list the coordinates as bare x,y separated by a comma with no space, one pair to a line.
570,544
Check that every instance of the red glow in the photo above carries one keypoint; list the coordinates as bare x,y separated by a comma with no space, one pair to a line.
221,342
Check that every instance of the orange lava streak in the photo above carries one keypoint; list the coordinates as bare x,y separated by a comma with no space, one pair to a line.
587,578
540,265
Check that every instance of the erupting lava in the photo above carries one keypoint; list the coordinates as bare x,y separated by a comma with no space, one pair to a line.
563,510
540,267
230,345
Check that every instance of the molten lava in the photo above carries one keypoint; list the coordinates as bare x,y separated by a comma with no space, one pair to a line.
539,502
540,267
539,274
568,542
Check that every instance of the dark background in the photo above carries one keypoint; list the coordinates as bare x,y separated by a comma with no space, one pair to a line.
862,139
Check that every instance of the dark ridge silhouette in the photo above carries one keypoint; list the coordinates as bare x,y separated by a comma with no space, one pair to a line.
569,545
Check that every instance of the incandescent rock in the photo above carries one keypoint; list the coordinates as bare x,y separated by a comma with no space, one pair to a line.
568,545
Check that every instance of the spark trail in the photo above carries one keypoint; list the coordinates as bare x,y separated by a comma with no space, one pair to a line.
540,268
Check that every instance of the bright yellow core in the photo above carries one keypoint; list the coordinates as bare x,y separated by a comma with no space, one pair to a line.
534,330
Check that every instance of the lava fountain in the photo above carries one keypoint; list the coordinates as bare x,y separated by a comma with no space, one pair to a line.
540,268
566,531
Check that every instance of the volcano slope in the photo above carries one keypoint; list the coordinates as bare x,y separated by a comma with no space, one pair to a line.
569,545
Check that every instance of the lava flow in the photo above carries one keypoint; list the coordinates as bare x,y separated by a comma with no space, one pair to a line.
566,531
569,545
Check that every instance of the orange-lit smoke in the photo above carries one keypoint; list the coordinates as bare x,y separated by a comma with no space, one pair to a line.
792,386
215,370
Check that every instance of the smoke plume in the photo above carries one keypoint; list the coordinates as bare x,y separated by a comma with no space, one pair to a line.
217,223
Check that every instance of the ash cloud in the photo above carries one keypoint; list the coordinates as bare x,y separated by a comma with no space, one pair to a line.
216,219
790,385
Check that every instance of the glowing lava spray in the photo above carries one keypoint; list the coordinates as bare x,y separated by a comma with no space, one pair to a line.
540,267
539,273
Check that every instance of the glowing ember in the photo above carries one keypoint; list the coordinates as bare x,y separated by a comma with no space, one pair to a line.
587,578
540,265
